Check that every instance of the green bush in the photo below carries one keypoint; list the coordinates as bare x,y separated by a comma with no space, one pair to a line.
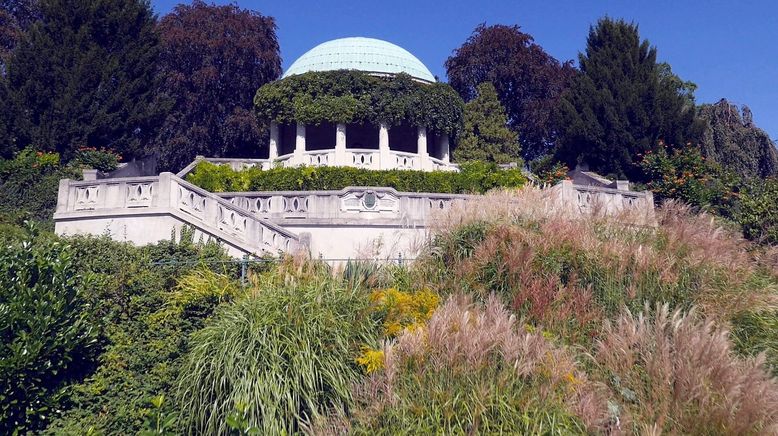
150,300
46,329
474,177
287,353
29,183
757,210
100,159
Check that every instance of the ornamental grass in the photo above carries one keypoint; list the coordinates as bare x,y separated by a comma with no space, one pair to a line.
286,353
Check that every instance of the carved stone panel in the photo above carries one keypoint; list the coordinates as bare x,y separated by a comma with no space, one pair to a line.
139,194
369,201
87,196
191,203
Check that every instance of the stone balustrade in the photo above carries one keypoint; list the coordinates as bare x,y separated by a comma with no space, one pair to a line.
354,157
368,205
151,207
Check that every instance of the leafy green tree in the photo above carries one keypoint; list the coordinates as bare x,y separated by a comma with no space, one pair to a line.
84,75
486,135
732,140
213,60
528,80
622,103
46,331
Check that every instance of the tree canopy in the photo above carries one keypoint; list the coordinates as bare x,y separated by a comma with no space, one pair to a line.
485,135
528,80
213,59
732,140
622,103
84,76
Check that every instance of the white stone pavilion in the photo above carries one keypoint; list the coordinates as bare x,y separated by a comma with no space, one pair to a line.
360,145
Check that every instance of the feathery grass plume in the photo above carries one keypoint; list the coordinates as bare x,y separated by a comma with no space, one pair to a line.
566,271
287,352
678,375
473,369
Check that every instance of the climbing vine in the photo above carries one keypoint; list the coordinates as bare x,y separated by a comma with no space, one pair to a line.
357,97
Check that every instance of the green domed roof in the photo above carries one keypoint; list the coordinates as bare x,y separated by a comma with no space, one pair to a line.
362,54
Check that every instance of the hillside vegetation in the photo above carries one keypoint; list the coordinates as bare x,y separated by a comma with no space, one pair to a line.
515,319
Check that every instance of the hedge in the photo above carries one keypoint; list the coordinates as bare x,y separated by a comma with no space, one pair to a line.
473,177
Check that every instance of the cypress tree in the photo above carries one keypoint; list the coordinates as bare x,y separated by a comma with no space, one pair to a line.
84,75
486,135
622,103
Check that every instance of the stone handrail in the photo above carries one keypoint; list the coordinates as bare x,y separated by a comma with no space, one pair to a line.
347,205
170,195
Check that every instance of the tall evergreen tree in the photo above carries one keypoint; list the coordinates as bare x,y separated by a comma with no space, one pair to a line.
84,75
214,58
733,140
622,103
528,80
486,135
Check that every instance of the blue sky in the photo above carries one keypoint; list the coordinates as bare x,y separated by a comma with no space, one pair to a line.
729,48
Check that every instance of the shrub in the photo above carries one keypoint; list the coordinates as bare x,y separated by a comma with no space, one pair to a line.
679,376
29,185
473,370
400,310
287,353
48,335
474,177
100,159
150,300
757,210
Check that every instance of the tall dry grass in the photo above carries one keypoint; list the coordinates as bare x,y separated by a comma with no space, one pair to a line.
534,252
475,369
675,374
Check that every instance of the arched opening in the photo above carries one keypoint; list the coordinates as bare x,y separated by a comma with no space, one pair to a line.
287,134
321,137
404,137
362,136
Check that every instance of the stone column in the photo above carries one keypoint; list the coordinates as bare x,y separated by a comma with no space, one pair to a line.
273,153
421,149
340,145
444,149
299,145
384,156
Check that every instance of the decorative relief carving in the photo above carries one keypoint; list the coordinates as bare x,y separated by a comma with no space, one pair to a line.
296,204
369,201
262,204
232,222
319,159
584,201
87,196
362,159
139,194
439,203
191,203
406,162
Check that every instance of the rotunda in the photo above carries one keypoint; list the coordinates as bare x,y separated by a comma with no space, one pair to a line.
318,128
